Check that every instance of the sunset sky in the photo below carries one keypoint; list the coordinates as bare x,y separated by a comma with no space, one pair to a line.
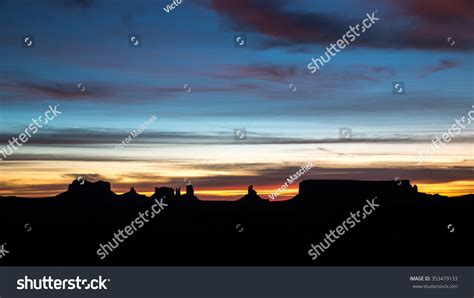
86,41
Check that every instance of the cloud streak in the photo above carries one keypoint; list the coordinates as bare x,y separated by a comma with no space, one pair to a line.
432,20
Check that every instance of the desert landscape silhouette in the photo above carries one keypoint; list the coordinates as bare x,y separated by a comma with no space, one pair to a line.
409,227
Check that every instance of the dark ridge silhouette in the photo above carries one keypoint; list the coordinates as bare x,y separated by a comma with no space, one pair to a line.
408,229
132,194
252,198
163,192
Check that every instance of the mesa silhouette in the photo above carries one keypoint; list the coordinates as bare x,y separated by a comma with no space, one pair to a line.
408,229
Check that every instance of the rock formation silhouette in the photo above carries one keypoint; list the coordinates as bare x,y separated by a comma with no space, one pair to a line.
409,228
178,192
189,195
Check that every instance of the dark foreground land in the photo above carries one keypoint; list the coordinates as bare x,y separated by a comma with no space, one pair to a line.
409,228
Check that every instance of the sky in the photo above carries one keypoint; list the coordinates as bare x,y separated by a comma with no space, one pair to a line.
202,86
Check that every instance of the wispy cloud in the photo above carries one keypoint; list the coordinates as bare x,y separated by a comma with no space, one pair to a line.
432,20
442,65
